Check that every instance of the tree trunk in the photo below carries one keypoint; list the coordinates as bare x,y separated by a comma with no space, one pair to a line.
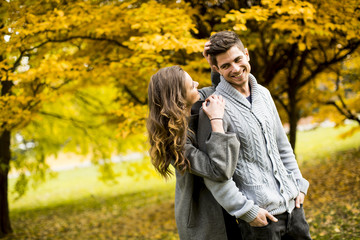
5,155
293,119
293,116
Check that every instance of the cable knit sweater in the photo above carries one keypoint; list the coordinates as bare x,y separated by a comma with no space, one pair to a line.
267,174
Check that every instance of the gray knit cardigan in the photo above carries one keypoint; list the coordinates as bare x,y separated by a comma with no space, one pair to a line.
267,174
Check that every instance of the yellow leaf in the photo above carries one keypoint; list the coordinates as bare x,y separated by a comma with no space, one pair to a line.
302,46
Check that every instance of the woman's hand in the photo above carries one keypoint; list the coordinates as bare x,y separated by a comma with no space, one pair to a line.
214,107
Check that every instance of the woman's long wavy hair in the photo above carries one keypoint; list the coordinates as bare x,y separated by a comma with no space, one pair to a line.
167,123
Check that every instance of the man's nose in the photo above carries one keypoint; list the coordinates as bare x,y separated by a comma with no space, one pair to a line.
196,84
236,67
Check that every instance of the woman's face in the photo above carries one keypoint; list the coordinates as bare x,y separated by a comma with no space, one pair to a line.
192,94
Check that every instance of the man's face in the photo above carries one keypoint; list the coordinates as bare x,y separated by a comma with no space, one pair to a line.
234,66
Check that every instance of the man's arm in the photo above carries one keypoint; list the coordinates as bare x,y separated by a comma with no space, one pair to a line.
226,193
236,204
286,152
232,200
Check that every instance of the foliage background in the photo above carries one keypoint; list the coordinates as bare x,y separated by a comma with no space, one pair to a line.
74,75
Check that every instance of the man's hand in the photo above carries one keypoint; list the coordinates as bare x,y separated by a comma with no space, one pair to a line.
261,218
299,199
206,55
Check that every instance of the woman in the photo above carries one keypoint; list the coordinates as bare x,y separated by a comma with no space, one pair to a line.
171,129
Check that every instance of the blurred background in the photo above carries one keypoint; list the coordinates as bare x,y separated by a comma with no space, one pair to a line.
73,106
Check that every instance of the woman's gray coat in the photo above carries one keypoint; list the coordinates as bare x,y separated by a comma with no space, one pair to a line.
198,215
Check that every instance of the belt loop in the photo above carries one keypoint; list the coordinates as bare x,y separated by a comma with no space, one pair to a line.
288,224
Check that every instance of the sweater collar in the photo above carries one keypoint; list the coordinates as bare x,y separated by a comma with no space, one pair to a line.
225,88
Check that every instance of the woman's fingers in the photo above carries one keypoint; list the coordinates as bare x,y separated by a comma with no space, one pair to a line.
214,106
216,98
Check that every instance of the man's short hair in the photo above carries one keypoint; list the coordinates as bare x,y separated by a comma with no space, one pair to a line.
221,42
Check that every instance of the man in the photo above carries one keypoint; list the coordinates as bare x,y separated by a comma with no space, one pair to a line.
267,190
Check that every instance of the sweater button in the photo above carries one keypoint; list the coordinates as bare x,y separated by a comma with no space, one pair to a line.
275,172
282,190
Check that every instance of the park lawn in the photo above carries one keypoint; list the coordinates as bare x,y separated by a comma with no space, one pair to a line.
76,205
86,208
324,142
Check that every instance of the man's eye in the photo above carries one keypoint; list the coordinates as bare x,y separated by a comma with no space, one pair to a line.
238,59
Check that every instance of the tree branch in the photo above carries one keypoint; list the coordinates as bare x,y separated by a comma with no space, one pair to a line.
346,112
77,37
126,88
76,122
279,100
320,67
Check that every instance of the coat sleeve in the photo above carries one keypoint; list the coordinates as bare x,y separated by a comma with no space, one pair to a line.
219,162
226,156
285,150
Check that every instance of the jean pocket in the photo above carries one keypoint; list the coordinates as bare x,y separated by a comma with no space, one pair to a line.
262,227
262,233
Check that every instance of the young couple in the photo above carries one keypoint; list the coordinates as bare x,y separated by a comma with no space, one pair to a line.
236,173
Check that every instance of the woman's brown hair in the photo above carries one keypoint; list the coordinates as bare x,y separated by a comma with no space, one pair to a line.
167,123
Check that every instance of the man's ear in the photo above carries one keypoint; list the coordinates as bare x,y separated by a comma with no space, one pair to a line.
247,54
214,67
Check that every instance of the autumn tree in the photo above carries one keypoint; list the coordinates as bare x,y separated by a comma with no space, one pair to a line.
292,42
337,93
208,15
65,62
57,58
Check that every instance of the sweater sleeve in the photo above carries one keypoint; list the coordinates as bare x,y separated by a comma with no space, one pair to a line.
286,152
226,193
232,200
219,162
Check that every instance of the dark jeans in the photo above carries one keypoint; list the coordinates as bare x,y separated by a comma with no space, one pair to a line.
289,227
232,229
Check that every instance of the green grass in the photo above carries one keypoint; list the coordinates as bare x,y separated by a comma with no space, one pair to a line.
322,142
83,183
76,205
